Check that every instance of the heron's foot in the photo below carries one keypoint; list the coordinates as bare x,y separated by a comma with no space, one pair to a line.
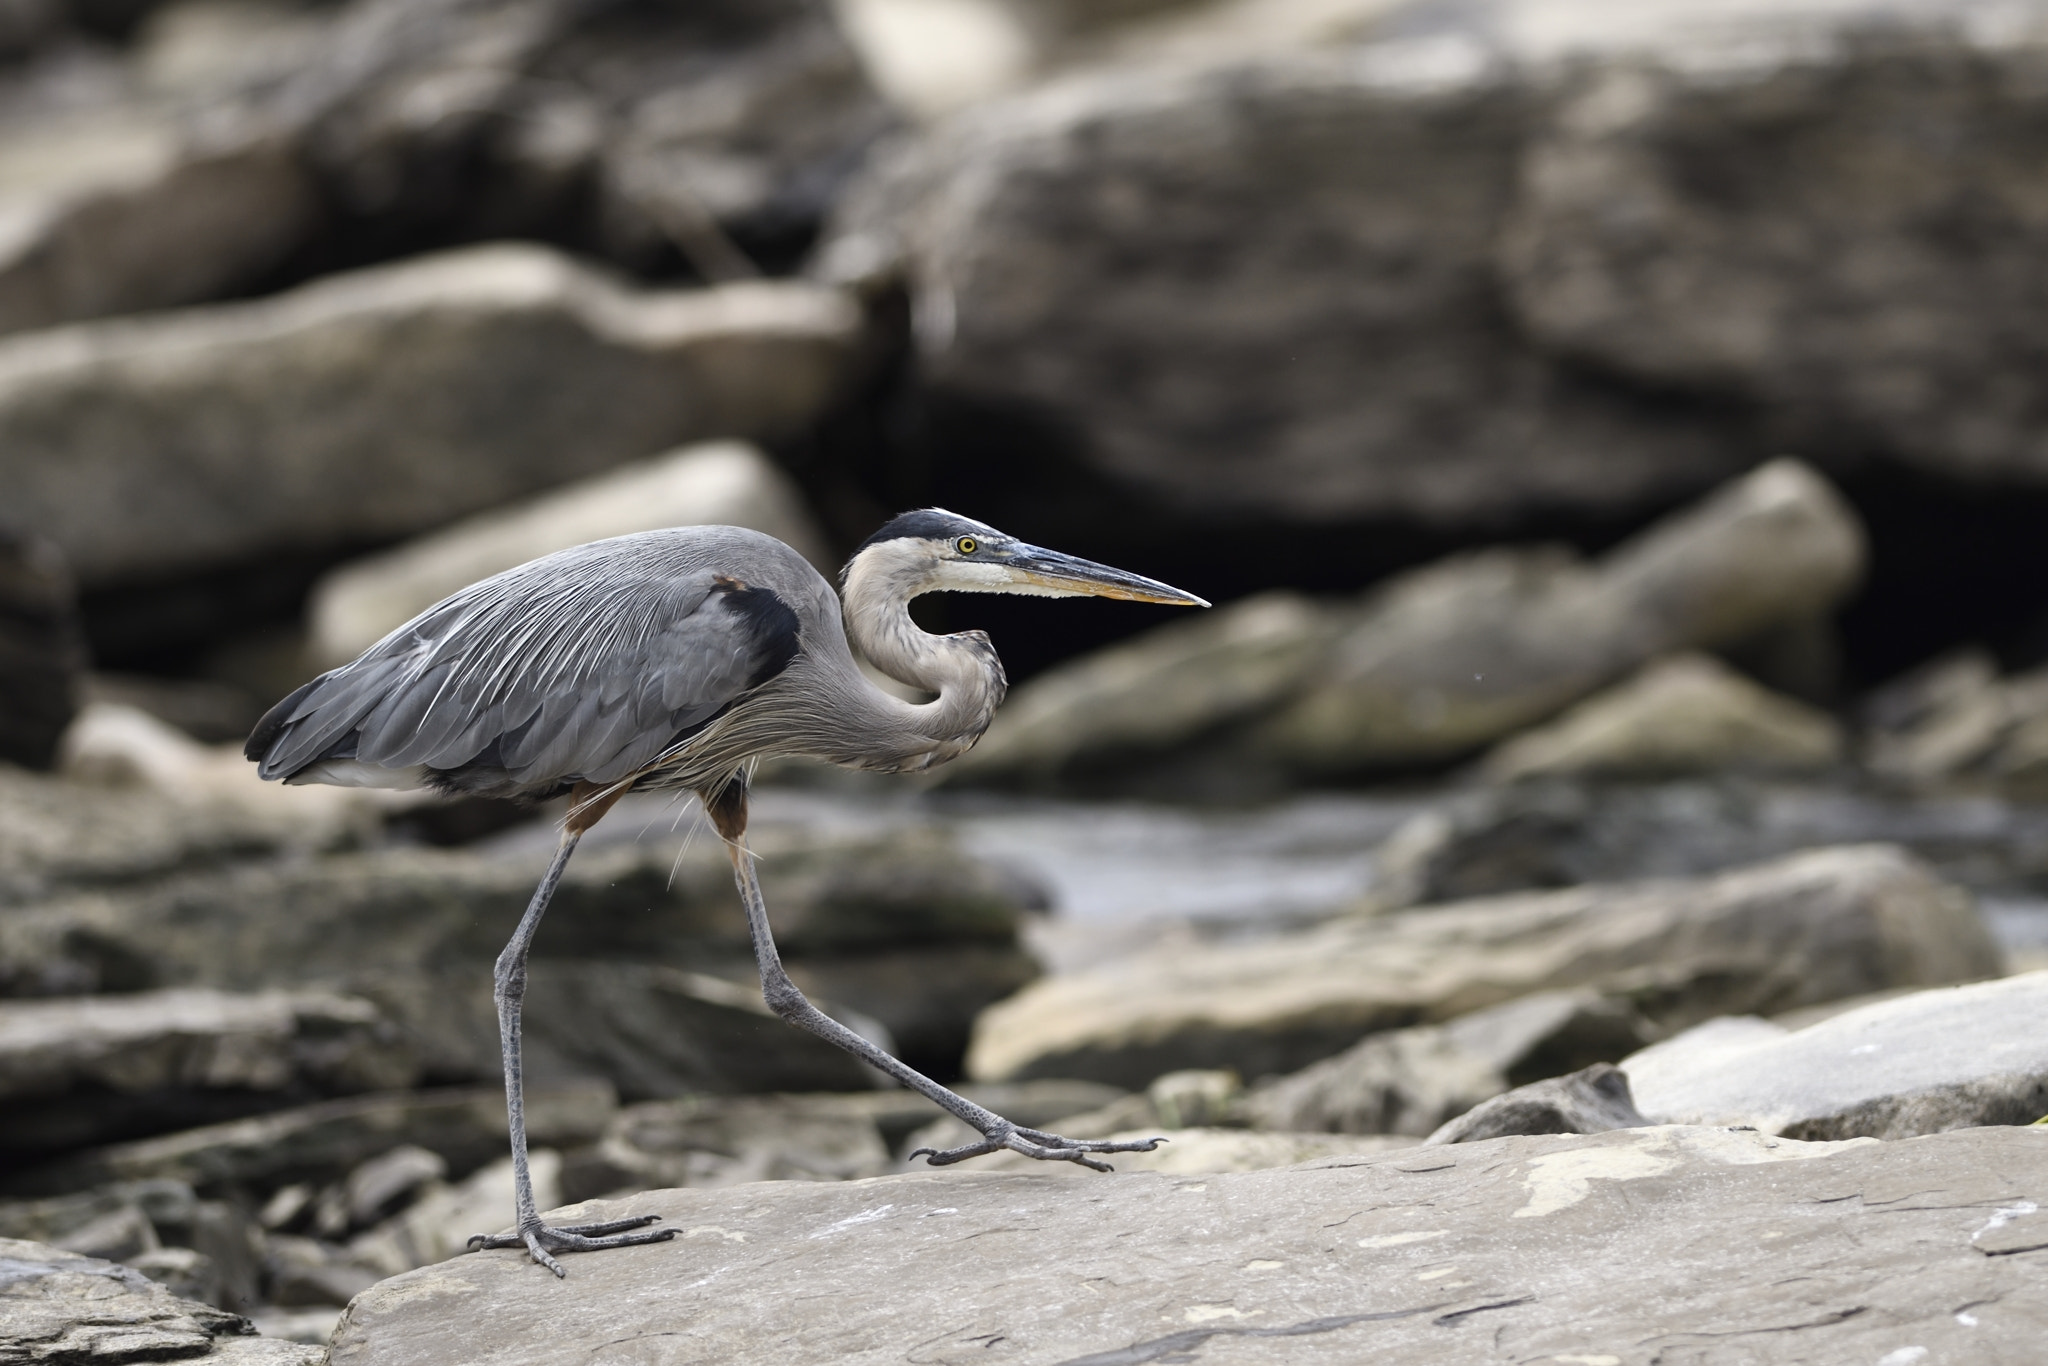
542,1239
1045,1147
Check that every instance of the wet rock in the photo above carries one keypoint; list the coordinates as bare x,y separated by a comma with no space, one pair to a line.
1454,656
1411,1081
1748,225
1916,1064
1062,252
42,651
382,402
316,1143
1685,714
1566,1245
57,1306
1819,925
88,1070
1590,1101
725,483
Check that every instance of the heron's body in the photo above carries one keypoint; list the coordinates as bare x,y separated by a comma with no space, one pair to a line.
670,659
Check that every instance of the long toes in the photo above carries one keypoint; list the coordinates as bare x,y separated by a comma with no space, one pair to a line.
933,1157
478,1242
610,1225
1093,1145
564,1240
540,1254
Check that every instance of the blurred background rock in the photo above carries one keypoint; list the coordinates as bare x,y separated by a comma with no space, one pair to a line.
1613,434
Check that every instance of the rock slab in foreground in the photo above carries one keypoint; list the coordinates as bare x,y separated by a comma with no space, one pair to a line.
1814,927
1651,1245
1917,1064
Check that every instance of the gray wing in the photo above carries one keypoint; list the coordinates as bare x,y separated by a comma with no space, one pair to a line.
585,664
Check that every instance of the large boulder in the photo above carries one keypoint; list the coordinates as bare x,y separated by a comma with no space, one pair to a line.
58,1306
1813,927
1454,656
382,402
727,483
1916,1064
1754,227
1616,1245
1257,292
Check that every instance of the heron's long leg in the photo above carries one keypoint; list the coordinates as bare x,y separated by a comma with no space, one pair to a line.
729,813
510,981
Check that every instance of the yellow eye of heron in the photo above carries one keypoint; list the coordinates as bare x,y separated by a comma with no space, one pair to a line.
967,545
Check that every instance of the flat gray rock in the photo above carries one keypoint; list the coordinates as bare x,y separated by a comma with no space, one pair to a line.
1813,927
1918,1064
1667,1244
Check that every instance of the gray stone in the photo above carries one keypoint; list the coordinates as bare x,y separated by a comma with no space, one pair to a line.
1823,924
1682,714
1412,1081
1454,656
1747,224
1530,1249
466,1126
1916,1064
1590,1101
439,1224
1187,271
1206,1151
727,483
382,402
57,1307
86,1070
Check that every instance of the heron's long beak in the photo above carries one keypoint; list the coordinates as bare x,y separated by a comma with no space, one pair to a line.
1048,571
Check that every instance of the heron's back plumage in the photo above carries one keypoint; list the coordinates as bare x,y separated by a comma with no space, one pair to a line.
585,665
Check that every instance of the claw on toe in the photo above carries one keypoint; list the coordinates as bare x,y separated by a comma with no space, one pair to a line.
541,1240
1042,1146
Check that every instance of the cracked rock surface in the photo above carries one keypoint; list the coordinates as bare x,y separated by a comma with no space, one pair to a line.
1660,1245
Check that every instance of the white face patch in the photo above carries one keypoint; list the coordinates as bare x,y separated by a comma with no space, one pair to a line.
993,576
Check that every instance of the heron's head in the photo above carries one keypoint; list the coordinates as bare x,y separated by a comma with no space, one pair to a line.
936,551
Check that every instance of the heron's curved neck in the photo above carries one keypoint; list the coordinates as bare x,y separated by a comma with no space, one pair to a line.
961,669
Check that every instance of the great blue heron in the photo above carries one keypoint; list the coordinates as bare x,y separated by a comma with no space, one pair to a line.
670,659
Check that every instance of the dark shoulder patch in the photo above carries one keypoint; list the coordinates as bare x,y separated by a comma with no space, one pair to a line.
771,621
925,524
